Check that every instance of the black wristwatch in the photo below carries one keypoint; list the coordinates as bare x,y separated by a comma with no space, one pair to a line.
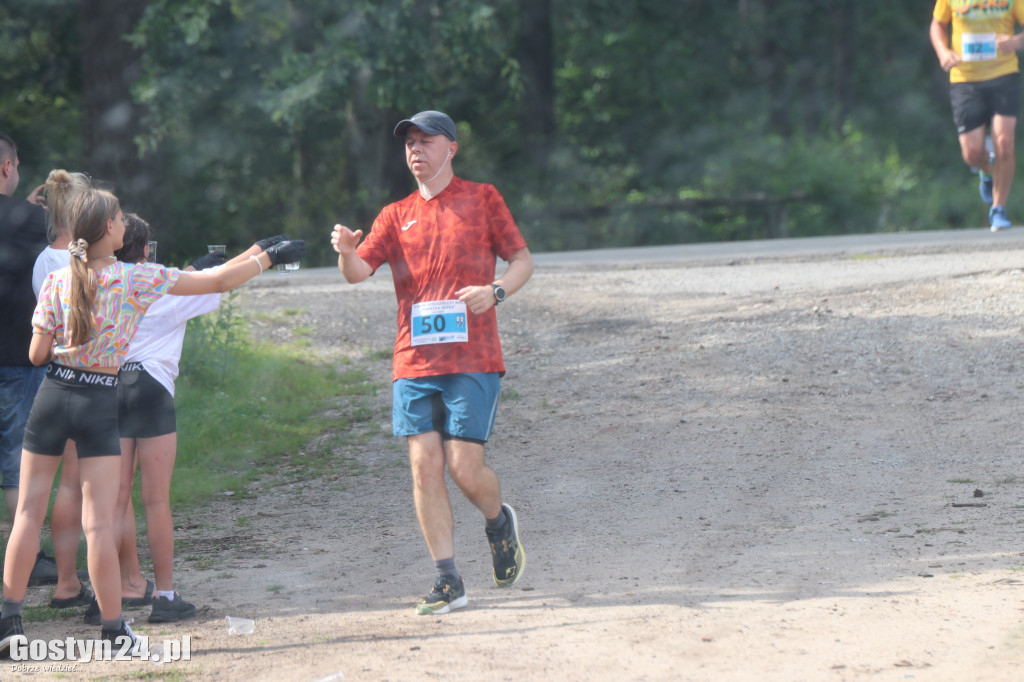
499,293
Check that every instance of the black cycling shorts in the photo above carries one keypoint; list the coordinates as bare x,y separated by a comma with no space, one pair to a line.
974,104
145,408
78,405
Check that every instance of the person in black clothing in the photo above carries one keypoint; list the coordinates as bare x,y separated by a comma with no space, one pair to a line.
22,237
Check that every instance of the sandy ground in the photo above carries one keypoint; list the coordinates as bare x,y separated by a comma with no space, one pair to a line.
776,468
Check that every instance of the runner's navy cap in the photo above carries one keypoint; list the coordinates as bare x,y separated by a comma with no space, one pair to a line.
430,122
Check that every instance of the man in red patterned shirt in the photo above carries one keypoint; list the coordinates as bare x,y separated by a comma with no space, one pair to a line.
441,243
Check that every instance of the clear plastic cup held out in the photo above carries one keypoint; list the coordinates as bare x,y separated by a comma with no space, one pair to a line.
150,252
288,267
217,248
240,626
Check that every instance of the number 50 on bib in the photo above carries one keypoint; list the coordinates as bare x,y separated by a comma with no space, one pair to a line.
439,322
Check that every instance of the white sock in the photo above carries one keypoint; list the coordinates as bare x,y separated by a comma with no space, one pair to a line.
169,595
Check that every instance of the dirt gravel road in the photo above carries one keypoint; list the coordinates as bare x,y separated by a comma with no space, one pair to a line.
770,468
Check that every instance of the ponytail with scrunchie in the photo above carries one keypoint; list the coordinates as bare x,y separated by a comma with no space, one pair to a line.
78,248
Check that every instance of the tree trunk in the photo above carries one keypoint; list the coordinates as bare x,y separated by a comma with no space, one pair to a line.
845,29
110,118
536,58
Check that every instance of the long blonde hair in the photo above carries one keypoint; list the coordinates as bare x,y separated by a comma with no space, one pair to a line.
88,214
61,186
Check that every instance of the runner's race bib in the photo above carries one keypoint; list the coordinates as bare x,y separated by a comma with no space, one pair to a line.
439,322
978,47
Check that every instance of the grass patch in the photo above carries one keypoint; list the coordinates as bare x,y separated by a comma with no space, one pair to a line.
38,614
242,406
380,354
280,315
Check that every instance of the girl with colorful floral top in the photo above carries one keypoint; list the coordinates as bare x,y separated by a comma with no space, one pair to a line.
85,317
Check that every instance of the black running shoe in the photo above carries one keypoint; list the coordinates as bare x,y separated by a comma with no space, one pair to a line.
44,571
171,610
10,627
117,638
507,553
448,593
92,614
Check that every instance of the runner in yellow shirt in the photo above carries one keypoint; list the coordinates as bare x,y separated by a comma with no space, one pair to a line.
984,88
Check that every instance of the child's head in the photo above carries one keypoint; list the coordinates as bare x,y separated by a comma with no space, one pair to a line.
88,214
136,236
61,187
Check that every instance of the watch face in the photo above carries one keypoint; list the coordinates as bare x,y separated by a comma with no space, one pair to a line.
499,293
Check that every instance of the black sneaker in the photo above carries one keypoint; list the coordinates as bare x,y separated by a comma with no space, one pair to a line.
117,638
92,614
10,627
448,593
44,572
507,553
171,610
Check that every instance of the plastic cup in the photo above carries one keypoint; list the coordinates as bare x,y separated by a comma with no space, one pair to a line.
336,677
240,626
151,253
288,267
217,248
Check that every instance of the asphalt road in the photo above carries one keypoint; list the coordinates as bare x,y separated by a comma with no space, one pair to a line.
785,248
764,248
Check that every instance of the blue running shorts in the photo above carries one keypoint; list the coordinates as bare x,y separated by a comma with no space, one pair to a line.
459,406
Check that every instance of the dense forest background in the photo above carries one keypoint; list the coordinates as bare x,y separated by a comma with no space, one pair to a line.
602,123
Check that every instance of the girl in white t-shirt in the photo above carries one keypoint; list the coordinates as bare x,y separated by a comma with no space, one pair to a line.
147,421
61,187
66,517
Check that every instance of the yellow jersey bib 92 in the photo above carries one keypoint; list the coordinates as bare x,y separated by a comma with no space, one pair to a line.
976,23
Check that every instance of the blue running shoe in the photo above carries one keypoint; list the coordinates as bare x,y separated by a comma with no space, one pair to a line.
998,220
985,187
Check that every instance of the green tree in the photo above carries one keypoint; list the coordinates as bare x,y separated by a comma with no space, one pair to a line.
602,123
40,85
278,111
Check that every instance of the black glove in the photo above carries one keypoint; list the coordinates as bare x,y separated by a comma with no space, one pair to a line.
270,241
209,260
287,252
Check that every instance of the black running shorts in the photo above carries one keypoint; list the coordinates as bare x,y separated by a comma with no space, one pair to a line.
78,405
974,104
145,408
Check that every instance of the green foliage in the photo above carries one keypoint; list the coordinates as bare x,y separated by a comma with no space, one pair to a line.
242,406
213,341
273,116
850,184
40,86
282,111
